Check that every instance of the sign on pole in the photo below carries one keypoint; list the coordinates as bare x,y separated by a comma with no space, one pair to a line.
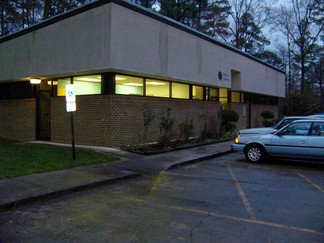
70,98
71,107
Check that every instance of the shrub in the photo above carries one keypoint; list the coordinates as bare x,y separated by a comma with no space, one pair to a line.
166,125
148,116
204,134
267,115
186,129
227,116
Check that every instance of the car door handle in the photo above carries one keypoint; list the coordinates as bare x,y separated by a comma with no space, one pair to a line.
302,141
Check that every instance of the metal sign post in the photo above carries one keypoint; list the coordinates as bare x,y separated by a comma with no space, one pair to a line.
73,141
71,107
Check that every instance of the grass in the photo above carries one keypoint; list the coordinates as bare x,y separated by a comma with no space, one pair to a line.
17,159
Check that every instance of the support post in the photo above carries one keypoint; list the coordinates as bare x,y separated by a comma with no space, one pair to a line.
72,133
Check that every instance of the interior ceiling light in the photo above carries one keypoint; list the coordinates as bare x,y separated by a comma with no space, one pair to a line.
133,84
87,79
156,83
35,80
119,78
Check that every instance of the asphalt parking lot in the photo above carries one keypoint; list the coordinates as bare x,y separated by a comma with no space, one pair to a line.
220,200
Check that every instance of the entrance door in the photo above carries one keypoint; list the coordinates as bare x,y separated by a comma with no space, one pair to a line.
44,115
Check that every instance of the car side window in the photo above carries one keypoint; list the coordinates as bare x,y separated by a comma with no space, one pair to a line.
318,129
297,129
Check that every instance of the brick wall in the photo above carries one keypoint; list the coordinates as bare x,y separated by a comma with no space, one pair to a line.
91,120
128,118
118,120
256,109
242,111
18,119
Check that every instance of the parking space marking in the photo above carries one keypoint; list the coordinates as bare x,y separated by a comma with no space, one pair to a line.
157,182
219,215
254,221
309,181
246,202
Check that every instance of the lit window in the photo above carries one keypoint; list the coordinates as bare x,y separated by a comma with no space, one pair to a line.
157,88
128,85
197,92
61,83
223,97
180,91
213,94
86,85
235,97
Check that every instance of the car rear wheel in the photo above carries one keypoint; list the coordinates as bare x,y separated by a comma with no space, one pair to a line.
255,153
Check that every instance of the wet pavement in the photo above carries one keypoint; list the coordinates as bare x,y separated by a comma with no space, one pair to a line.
30,188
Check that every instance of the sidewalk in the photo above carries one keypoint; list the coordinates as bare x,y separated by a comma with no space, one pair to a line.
27,189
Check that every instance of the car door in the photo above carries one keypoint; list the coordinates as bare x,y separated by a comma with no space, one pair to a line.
316,141
292,141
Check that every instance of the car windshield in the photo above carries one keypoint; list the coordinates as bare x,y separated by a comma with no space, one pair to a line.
282,123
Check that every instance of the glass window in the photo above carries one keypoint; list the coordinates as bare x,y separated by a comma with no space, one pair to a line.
213,94
180,91
197,92
223,95
61,83
236,97
297,129
86,85
318,129
157,88
128,85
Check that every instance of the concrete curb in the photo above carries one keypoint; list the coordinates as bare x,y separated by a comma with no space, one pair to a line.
199,159
63,192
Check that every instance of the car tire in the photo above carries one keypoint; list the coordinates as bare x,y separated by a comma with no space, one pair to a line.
255,153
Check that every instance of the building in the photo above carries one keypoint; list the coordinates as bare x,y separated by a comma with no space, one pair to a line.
125,60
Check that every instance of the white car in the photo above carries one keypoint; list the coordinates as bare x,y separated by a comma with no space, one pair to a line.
301,139
267,130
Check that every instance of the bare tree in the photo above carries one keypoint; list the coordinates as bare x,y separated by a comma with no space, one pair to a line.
248,18
301,24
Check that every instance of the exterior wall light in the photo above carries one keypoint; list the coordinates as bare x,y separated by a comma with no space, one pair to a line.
35,81
54,82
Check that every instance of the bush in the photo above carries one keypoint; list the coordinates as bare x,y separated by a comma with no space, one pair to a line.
149,117
267,115
186,129
227,116
166,126
267,123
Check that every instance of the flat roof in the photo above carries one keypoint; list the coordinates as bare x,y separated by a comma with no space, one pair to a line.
139,9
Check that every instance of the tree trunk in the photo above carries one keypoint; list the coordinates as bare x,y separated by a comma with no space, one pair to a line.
47,9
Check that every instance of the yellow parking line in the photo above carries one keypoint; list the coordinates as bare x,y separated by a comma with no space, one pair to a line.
309,181
157,182
253,221
233,218
242,194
